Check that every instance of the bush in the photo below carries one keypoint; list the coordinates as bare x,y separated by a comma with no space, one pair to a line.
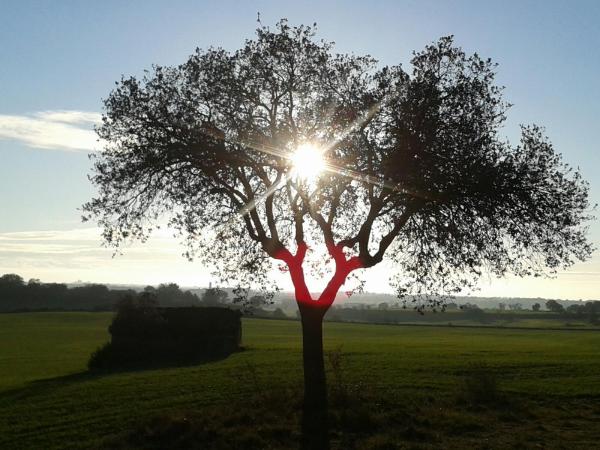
143,334
100,359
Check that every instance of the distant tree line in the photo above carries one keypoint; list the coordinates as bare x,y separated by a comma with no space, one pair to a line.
589,311
384,313
18,295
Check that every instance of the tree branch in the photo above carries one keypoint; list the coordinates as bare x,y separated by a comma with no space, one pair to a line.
386,241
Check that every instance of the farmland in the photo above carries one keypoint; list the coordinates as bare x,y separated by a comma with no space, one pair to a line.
391,387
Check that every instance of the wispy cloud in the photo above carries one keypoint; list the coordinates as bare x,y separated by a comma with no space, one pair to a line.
59,130
77,254
70,116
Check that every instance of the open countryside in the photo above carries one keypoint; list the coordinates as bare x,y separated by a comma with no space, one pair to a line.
285,225
418,385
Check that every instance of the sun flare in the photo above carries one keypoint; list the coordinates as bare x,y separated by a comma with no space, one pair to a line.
308,161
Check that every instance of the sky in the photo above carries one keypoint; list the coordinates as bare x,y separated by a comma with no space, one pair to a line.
58,60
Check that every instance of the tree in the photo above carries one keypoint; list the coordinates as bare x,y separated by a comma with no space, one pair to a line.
536,307
34,282
226,147
257,301
593,310
554,306
590,310
214,296
11,280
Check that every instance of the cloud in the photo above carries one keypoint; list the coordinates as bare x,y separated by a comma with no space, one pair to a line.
58,130
82,240
77,254
67,116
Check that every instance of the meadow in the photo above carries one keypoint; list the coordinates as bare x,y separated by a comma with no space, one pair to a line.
390,387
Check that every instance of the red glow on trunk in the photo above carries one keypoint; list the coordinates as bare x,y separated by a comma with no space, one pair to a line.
294,265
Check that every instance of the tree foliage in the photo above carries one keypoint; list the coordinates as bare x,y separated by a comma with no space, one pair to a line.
554,306
417,169
213,296
15,295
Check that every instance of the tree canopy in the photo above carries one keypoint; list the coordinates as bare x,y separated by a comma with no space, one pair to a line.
416,168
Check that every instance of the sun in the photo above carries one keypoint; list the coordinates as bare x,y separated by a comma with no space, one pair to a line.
308,161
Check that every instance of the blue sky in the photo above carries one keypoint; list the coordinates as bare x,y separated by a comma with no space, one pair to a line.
66,56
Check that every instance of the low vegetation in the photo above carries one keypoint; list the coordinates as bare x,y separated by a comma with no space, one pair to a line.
144,335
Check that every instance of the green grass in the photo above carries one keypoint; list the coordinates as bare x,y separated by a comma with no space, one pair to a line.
45,345
403,375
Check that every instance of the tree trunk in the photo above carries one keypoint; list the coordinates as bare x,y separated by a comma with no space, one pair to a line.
315,429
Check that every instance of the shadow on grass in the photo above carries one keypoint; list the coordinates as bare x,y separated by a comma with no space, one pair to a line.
262,423
37,387
362,416
270,419
127,361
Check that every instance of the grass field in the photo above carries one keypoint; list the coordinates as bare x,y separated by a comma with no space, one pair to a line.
398,387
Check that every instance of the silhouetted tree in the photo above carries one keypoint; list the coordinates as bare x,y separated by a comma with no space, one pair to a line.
136,314
256,301
15,295
170,294
589,310
214,296
554,306
11,280
593,311
536,307
415,170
